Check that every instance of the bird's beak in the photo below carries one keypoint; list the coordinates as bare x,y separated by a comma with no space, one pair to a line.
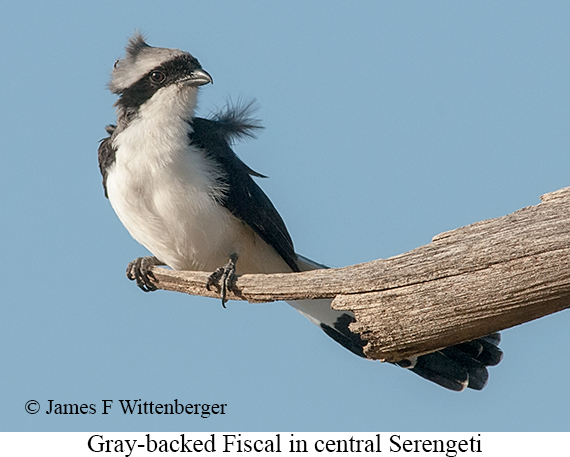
199,78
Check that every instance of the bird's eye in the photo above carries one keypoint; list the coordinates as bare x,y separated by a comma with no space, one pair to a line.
157,76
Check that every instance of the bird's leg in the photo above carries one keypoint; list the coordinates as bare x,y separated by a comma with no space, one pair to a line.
224,278
139,270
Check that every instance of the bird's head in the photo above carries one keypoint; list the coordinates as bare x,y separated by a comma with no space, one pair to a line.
146,71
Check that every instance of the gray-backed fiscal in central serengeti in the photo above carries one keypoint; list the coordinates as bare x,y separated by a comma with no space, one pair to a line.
180,190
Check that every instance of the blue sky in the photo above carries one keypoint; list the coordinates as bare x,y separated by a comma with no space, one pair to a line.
386,124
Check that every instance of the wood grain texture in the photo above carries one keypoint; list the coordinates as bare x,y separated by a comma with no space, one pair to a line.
465,284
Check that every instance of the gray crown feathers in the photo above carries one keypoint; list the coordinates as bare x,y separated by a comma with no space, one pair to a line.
135,45
140,58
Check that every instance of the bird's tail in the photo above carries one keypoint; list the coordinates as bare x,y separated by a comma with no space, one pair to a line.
460,366
455,368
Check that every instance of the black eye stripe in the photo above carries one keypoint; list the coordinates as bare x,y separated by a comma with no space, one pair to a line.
163,75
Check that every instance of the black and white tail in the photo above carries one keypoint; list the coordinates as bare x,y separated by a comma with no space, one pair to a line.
455,367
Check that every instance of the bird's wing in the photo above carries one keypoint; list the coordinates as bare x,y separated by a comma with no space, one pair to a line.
243,198
106,155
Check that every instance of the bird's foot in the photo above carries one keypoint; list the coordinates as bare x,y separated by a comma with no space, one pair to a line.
139,270
224,278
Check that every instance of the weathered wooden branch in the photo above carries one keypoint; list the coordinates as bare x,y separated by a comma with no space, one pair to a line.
465,284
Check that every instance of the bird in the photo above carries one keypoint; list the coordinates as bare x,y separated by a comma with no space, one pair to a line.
180,190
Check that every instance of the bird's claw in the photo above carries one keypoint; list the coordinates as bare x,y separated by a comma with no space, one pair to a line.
224,278
139,270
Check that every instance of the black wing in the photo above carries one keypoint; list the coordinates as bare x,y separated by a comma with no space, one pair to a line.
244,198
106,155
